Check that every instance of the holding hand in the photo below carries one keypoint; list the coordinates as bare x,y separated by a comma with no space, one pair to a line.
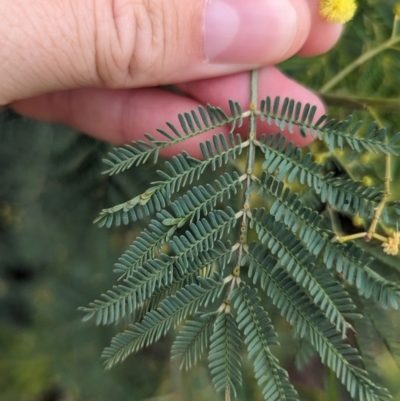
96,64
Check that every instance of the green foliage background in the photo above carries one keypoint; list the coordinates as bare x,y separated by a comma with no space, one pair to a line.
53,260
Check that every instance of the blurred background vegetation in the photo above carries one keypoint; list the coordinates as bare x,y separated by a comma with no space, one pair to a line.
53,260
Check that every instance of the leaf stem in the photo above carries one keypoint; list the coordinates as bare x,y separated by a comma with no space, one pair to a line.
247,182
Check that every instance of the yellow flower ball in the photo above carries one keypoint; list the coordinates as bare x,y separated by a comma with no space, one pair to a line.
337,10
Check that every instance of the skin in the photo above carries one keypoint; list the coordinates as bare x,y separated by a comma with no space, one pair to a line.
75,63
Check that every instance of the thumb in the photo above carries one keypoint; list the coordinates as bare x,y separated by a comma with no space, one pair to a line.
46,46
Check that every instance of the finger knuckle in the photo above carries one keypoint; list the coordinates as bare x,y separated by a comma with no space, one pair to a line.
135,45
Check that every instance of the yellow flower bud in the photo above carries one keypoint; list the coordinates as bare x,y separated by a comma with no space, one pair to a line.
357,221
320,158
367,181
337,10
366,158
339,153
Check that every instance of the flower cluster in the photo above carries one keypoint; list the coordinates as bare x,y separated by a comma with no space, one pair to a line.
392,246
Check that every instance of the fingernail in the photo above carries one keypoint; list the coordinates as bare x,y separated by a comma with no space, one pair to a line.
248,31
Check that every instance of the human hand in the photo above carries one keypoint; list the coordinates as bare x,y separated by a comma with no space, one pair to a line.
95,64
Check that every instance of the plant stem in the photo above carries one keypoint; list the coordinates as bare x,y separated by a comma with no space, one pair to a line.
386,189
247,182
246,197
393,40
227,393
361,103
378,211
364,235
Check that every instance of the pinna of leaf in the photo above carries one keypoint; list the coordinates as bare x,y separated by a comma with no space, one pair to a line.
185,262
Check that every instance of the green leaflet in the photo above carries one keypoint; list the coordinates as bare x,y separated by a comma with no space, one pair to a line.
182,171
259,337
348,259
346,195
152,282
299,311
146,246
157,322
334,133
288,208
351,262
327,293
224,359
203,199
193,339
192,124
